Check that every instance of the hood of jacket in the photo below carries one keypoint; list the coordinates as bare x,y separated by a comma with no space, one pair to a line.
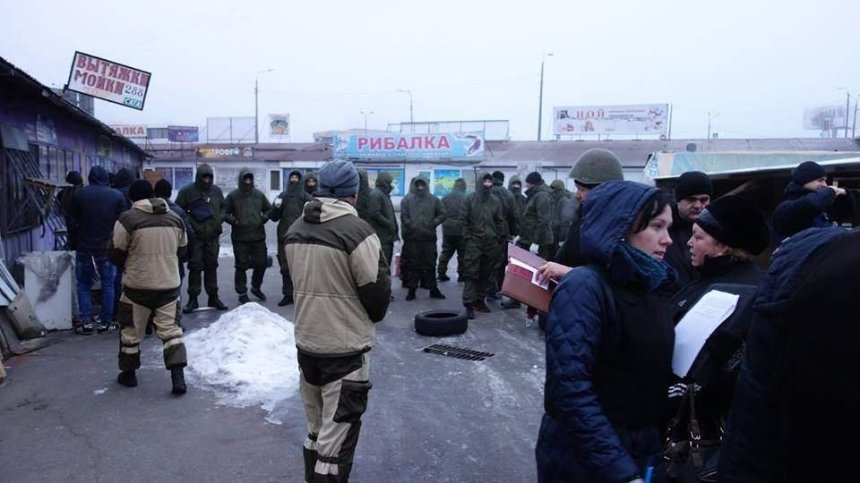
98,176
322,210
480,188
558,189
608,212
385,182
363,180
414,188
154,206
203,170
124,177
775,292
243,186
308,177
515,179
460,185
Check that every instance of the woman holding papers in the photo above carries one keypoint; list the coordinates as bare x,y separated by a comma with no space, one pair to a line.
726,237
609,345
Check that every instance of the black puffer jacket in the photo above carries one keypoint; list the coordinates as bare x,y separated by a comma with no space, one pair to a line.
421,213
204,204
288,206
247,209
380,211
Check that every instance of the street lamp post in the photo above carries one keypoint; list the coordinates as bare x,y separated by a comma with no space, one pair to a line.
540,98
365,114
407,91
257,105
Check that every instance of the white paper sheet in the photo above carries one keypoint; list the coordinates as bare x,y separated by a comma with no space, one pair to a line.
533,271
697,325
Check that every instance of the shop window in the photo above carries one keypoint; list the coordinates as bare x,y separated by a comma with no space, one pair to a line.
274,180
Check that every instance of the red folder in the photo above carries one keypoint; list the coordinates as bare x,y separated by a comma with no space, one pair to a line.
519,274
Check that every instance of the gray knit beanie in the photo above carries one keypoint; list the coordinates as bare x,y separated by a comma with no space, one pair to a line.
338,179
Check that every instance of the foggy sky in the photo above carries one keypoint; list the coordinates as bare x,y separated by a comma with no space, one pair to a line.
755,65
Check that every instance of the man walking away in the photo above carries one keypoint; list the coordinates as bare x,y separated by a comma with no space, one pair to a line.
204,203
381,216
286,209
148,241
94,210
420,215
484,230
336,309
452,230
247,209
64,199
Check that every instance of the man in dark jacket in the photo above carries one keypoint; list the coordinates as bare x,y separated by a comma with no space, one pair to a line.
204,203
564,209
693,192
420,215
310,183
381,216
64,199
797,394
164,190
506,199
247,210
536,226
484,230
148,241
122,182
94,210
343,287
363,194
286,209
452,230
809,202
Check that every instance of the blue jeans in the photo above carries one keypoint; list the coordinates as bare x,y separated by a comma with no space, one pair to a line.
85,272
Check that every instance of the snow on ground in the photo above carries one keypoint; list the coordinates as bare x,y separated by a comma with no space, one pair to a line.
247,357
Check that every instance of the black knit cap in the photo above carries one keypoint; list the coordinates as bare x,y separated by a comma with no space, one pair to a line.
693,183
736,222
140,190
534,178
498,175
807,171
163,189
488,176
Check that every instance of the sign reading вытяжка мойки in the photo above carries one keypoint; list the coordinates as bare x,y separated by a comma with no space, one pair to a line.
108,80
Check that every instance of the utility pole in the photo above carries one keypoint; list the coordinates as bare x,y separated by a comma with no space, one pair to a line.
540,96
365,114
257,105
847,107
854,125
411,120
709,125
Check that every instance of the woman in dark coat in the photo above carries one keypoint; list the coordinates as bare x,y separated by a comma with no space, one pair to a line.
726,236
609,345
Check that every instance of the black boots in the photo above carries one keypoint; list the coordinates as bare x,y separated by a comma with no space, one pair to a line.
482,307
216,303
127,379
259,294
436,294
287,300
177,376
410,295
244,299
443,277
191,306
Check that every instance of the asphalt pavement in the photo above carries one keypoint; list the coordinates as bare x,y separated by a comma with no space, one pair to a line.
430,417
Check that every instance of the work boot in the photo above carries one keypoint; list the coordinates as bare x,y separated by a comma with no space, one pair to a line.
510,304
287,300
482,307
470,312
244,299
494,296
191,306
436,294
127,379
259,294
177,376
443,277
217,303
410,295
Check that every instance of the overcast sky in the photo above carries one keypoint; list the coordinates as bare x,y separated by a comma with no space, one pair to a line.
754,64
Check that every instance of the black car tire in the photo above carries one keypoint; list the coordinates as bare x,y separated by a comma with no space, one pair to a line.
441,323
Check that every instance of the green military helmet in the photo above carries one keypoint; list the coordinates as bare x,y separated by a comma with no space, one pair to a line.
595,166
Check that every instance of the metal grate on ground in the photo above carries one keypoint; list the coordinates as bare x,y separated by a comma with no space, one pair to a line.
457,352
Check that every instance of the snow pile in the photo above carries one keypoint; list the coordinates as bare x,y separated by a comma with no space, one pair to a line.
247,356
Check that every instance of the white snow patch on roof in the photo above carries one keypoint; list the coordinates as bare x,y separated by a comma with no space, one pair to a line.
247,357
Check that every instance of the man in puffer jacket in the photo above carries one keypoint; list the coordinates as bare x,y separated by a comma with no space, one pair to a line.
286,209
342,287
381,216
420,215
204,203
148,241
247,209
452,230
